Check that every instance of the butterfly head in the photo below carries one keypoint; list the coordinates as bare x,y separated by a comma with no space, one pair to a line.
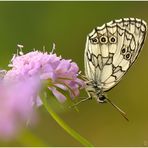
101,99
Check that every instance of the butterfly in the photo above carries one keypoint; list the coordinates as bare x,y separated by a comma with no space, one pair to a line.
109,53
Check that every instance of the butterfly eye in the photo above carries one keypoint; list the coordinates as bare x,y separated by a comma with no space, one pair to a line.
112,39
103,39
128,56
95,40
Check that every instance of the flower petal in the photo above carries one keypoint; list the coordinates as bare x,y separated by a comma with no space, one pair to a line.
61,98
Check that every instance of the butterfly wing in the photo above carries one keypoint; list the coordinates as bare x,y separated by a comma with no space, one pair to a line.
111,49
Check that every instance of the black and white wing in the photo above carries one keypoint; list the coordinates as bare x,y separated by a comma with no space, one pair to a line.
111,49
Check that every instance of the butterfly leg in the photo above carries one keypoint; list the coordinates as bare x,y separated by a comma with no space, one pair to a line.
83,100
88,98
83,76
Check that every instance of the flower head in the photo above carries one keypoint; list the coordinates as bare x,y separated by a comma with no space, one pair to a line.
21,85
60,73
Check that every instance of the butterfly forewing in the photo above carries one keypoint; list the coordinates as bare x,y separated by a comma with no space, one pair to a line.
111,49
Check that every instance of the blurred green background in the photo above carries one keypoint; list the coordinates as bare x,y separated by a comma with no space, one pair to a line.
38,24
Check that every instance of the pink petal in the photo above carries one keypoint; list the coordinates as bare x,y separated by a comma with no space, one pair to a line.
61,98
61,86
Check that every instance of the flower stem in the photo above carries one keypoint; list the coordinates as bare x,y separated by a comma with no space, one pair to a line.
61,123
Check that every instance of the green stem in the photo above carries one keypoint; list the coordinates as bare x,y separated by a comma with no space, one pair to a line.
68,129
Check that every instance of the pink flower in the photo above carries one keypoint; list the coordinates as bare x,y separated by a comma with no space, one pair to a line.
58,72
16,107
21,85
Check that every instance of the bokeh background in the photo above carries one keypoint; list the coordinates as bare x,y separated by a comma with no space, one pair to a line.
38,24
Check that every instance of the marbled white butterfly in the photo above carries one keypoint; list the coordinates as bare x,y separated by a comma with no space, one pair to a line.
110,51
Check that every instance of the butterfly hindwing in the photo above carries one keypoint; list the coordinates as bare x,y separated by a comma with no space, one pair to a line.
111,49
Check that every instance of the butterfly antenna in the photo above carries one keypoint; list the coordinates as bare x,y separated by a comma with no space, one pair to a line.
117,108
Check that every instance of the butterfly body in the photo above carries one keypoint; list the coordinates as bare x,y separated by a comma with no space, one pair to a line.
110,51
95,91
